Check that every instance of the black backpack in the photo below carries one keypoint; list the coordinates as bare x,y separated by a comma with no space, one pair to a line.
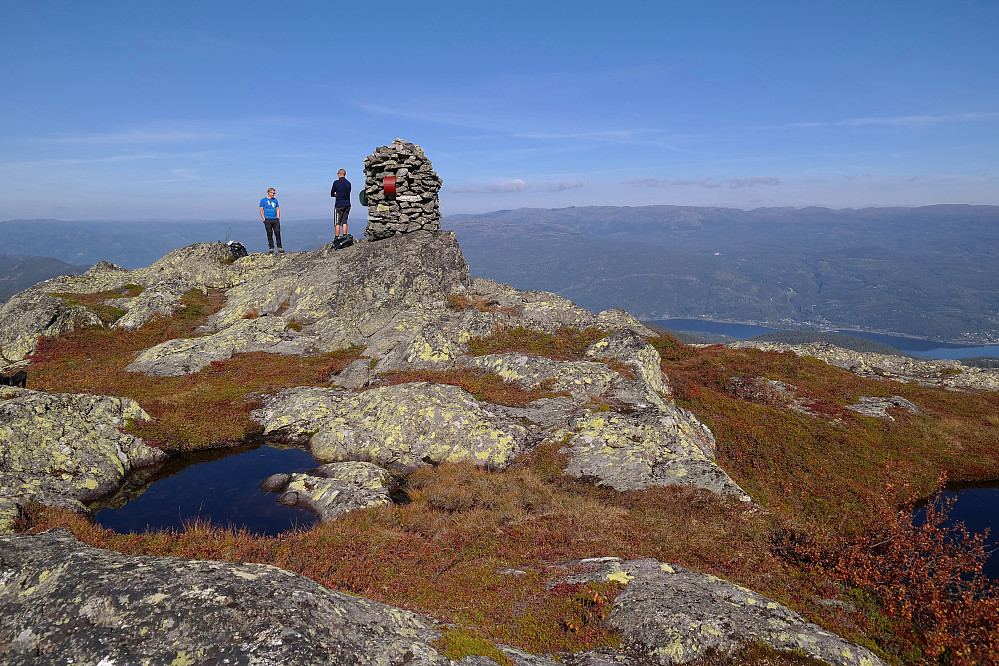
237,250
343,241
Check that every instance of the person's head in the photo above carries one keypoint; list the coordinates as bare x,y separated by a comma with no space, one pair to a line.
341,173
271,192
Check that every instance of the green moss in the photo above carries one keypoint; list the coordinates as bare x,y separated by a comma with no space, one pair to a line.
457,644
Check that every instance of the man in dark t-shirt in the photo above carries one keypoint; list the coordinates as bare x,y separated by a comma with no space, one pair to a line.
341,207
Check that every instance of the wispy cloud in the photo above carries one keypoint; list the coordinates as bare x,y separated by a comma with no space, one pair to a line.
560,186
57,162
516,185
139,137
707,183
904,121
54,163
184,174
179,132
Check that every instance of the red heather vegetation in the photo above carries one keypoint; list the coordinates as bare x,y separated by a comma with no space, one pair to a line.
204,409
482,550
482,384
566,344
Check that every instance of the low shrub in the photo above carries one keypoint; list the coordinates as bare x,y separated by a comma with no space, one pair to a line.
566,344
482,384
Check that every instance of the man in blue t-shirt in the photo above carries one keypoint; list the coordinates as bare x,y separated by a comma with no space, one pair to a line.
341,208
270,213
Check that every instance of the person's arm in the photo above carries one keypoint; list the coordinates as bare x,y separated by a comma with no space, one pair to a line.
333,189
277,210
262,219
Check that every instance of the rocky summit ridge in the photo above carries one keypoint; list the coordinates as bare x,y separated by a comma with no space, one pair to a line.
410,302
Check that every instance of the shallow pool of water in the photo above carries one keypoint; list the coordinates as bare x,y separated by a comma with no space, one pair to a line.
977,506
217,486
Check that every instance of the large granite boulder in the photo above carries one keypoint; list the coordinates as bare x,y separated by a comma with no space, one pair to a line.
399,427
63,602
374,295
65,449
638,450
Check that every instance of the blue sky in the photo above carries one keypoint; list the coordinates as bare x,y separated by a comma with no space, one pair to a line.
190,110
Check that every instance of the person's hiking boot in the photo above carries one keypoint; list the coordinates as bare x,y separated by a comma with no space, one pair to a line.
280,250
270,251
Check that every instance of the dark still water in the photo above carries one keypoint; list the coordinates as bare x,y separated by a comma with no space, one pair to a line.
217,486
977,506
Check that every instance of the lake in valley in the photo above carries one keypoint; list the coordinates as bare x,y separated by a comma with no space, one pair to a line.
913,346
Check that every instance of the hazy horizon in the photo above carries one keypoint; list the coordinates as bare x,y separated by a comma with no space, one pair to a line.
359,213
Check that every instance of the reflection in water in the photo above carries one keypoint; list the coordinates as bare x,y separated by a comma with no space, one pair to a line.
977,506
220,486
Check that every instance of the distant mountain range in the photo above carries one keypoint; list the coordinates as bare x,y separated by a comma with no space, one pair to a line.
18,272
930,272
140,243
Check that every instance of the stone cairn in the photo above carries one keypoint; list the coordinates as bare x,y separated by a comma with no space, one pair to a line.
414,205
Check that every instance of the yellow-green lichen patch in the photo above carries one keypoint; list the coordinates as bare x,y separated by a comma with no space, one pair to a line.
406,424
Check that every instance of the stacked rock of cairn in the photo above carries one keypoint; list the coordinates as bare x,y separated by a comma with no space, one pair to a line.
401,186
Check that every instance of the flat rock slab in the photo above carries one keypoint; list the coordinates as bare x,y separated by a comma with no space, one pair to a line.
66,602
398,427
670,615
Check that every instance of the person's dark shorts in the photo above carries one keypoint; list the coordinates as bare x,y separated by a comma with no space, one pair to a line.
340,214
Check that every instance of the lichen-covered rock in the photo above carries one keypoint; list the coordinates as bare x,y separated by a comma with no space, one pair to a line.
162,299
35,312
357,375
635,451
333,489
581,379
65,602
397,427
631,349
670,615
380,296
186,355
32,313
545,311
938,372
878,407
66,449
